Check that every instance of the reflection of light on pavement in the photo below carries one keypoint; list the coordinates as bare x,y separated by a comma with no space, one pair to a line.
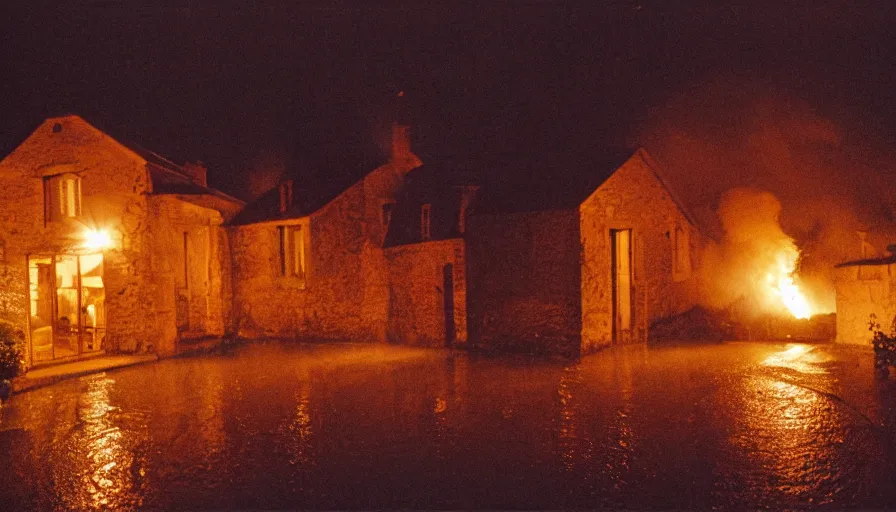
790,429
100,454
781,423
623,430
568,432
300,428
797,357
210,414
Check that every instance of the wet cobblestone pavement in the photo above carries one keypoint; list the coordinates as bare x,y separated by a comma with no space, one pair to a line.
735,425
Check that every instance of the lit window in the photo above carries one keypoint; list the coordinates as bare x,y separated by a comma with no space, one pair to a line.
292,252
425,222
62,197
681,254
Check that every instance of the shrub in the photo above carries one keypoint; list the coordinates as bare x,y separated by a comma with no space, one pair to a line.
11,360
880,339
884,345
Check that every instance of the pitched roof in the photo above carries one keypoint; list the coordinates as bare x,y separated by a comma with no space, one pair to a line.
166,176
548,184
309,195
439,187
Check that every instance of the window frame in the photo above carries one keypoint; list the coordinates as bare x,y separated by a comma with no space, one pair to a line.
292,253
63,197
682,266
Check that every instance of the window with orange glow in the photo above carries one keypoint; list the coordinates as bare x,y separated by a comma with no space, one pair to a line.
681,254
292,252
62,196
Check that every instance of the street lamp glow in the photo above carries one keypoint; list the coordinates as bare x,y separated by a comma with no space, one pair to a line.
97,239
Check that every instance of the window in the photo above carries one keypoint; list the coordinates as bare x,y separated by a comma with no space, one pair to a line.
183,273
387,213
425,222
62,196
681,254
292,252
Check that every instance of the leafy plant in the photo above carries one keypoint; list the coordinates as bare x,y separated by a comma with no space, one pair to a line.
11,359
884,345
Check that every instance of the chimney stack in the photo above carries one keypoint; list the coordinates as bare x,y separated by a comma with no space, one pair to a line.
198,173
285,196
401,142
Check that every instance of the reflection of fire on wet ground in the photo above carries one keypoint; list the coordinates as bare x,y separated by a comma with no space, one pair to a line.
700,323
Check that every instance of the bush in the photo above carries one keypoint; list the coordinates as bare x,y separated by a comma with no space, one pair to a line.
884,345
11,360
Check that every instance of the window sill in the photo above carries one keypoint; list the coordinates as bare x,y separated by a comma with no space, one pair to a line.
293,283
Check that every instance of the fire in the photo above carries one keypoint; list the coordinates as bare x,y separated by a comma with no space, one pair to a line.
756,267
781,282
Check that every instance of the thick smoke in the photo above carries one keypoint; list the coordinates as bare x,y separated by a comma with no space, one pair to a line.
744,267
825,179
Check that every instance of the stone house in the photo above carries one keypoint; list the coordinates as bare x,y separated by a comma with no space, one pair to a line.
866,286
312,265
106,247
426,259
569,265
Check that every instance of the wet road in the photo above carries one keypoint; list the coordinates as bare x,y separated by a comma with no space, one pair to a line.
358,426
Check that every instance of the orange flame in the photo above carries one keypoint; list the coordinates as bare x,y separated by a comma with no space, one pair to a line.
781,282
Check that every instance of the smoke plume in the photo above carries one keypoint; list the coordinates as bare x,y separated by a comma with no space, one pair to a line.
753,258
823,173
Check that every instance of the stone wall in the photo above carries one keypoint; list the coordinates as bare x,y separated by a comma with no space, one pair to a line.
332,302
863,290
633,198
346,293
202,270
417,294
524,281
113,186
116,197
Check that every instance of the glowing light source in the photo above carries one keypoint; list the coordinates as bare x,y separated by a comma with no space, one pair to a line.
782,284
97,239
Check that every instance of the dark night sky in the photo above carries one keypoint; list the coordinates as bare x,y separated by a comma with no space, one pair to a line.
487,84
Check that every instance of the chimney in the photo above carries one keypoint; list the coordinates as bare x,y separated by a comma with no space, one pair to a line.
401,142
467,194
285,196
198,173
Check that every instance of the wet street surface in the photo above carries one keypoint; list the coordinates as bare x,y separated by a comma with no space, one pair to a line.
277,425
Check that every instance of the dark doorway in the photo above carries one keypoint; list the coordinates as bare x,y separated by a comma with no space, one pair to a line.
448,302
182,287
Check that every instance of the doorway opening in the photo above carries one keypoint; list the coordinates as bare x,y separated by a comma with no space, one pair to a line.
622,285
448,303
67,313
